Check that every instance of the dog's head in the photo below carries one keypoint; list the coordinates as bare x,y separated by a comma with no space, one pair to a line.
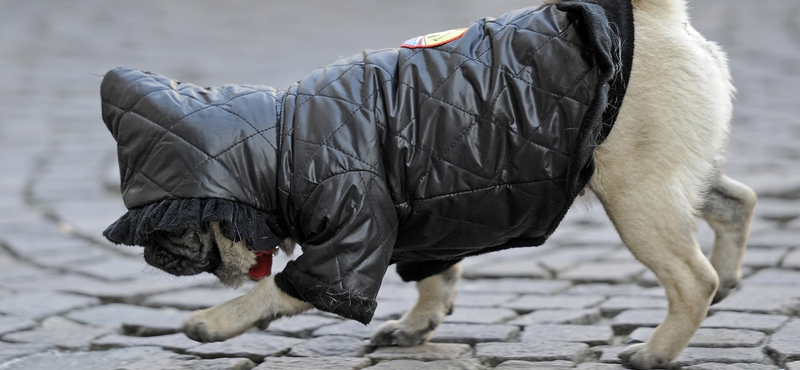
195,251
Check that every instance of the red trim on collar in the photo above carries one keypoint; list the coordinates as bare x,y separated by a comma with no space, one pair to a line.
263,266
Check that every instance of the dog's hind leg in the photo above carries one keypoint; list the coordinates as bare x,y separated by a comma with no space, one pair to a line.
436,297
658,233
258,307
728,209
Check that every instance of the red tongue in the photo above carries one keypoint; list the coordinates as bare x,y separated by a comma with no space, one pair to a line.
263,266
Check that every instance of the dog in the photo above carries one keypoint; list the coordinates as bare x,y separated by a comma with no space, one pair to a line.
656,171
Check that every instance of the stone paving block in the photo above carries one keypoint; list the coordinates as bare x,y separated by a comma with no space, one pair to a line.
460,364
764,257
252,346
699,355
349,328
606,289
114,269
10,324
784,345
468,299
124,291
595,366
765,299
528,303
98,360
739,320
73,338
604,272
38,305
524,268
134,320
608,354
184,362
527,365
18,271
518,286
774,239
614,305
780,210
330,345
423,352
593,335
559,316
564,258
300,326
629,320
792,260
314,363
717,366
467,315
773,276
194,298
173,342
473,333
10,351
715,338
495,353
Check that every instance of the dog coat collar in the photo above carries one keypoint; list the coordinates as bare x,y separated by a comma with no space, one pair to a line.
263,266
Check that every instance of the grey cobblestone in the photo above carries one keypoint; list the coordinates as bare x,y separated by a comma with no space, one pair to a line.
530,303
59,186
495,353
133,320
738,320
716,338
474,333
172,342
424,352
559,316
527,365
465,315
252,346
314,363
330,345
461,364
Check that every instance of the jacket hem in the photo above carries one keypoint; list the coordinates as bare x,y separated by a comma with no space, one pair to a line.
325,297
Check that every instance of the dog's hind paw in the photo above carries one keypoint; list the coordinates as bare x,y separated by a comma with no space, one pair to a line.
398,333
639,357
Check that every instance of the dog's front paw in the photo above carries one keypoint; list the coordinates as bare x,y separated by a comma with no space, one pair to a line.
725,288
399,333
205,326
639,357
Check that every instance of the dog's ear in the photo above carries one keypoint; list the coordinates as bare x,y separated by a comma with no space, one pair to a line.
236,259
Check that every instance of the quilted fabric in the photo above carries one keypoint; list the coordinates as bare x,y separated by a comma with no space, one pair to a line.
413,156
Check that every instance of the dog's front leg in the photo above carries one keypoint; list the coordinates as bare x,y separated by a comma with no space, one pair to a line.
436,297
258,307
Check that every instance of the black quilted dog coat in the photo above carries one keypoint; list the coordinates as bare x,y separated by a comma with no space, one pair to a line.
418,156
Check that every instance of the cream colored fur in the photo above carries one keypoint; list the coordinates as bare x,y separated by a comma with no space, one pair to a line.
656,173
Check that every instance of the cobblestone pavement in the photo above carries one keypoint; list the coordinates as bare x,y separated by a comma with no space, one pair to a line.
69,300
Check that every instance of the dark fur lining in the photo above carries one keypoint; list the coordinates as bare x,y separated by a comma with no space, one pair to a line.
325,297
163,228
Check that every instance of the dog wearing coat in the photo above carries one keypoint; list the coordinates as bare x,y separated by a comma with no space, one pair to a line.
654,173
